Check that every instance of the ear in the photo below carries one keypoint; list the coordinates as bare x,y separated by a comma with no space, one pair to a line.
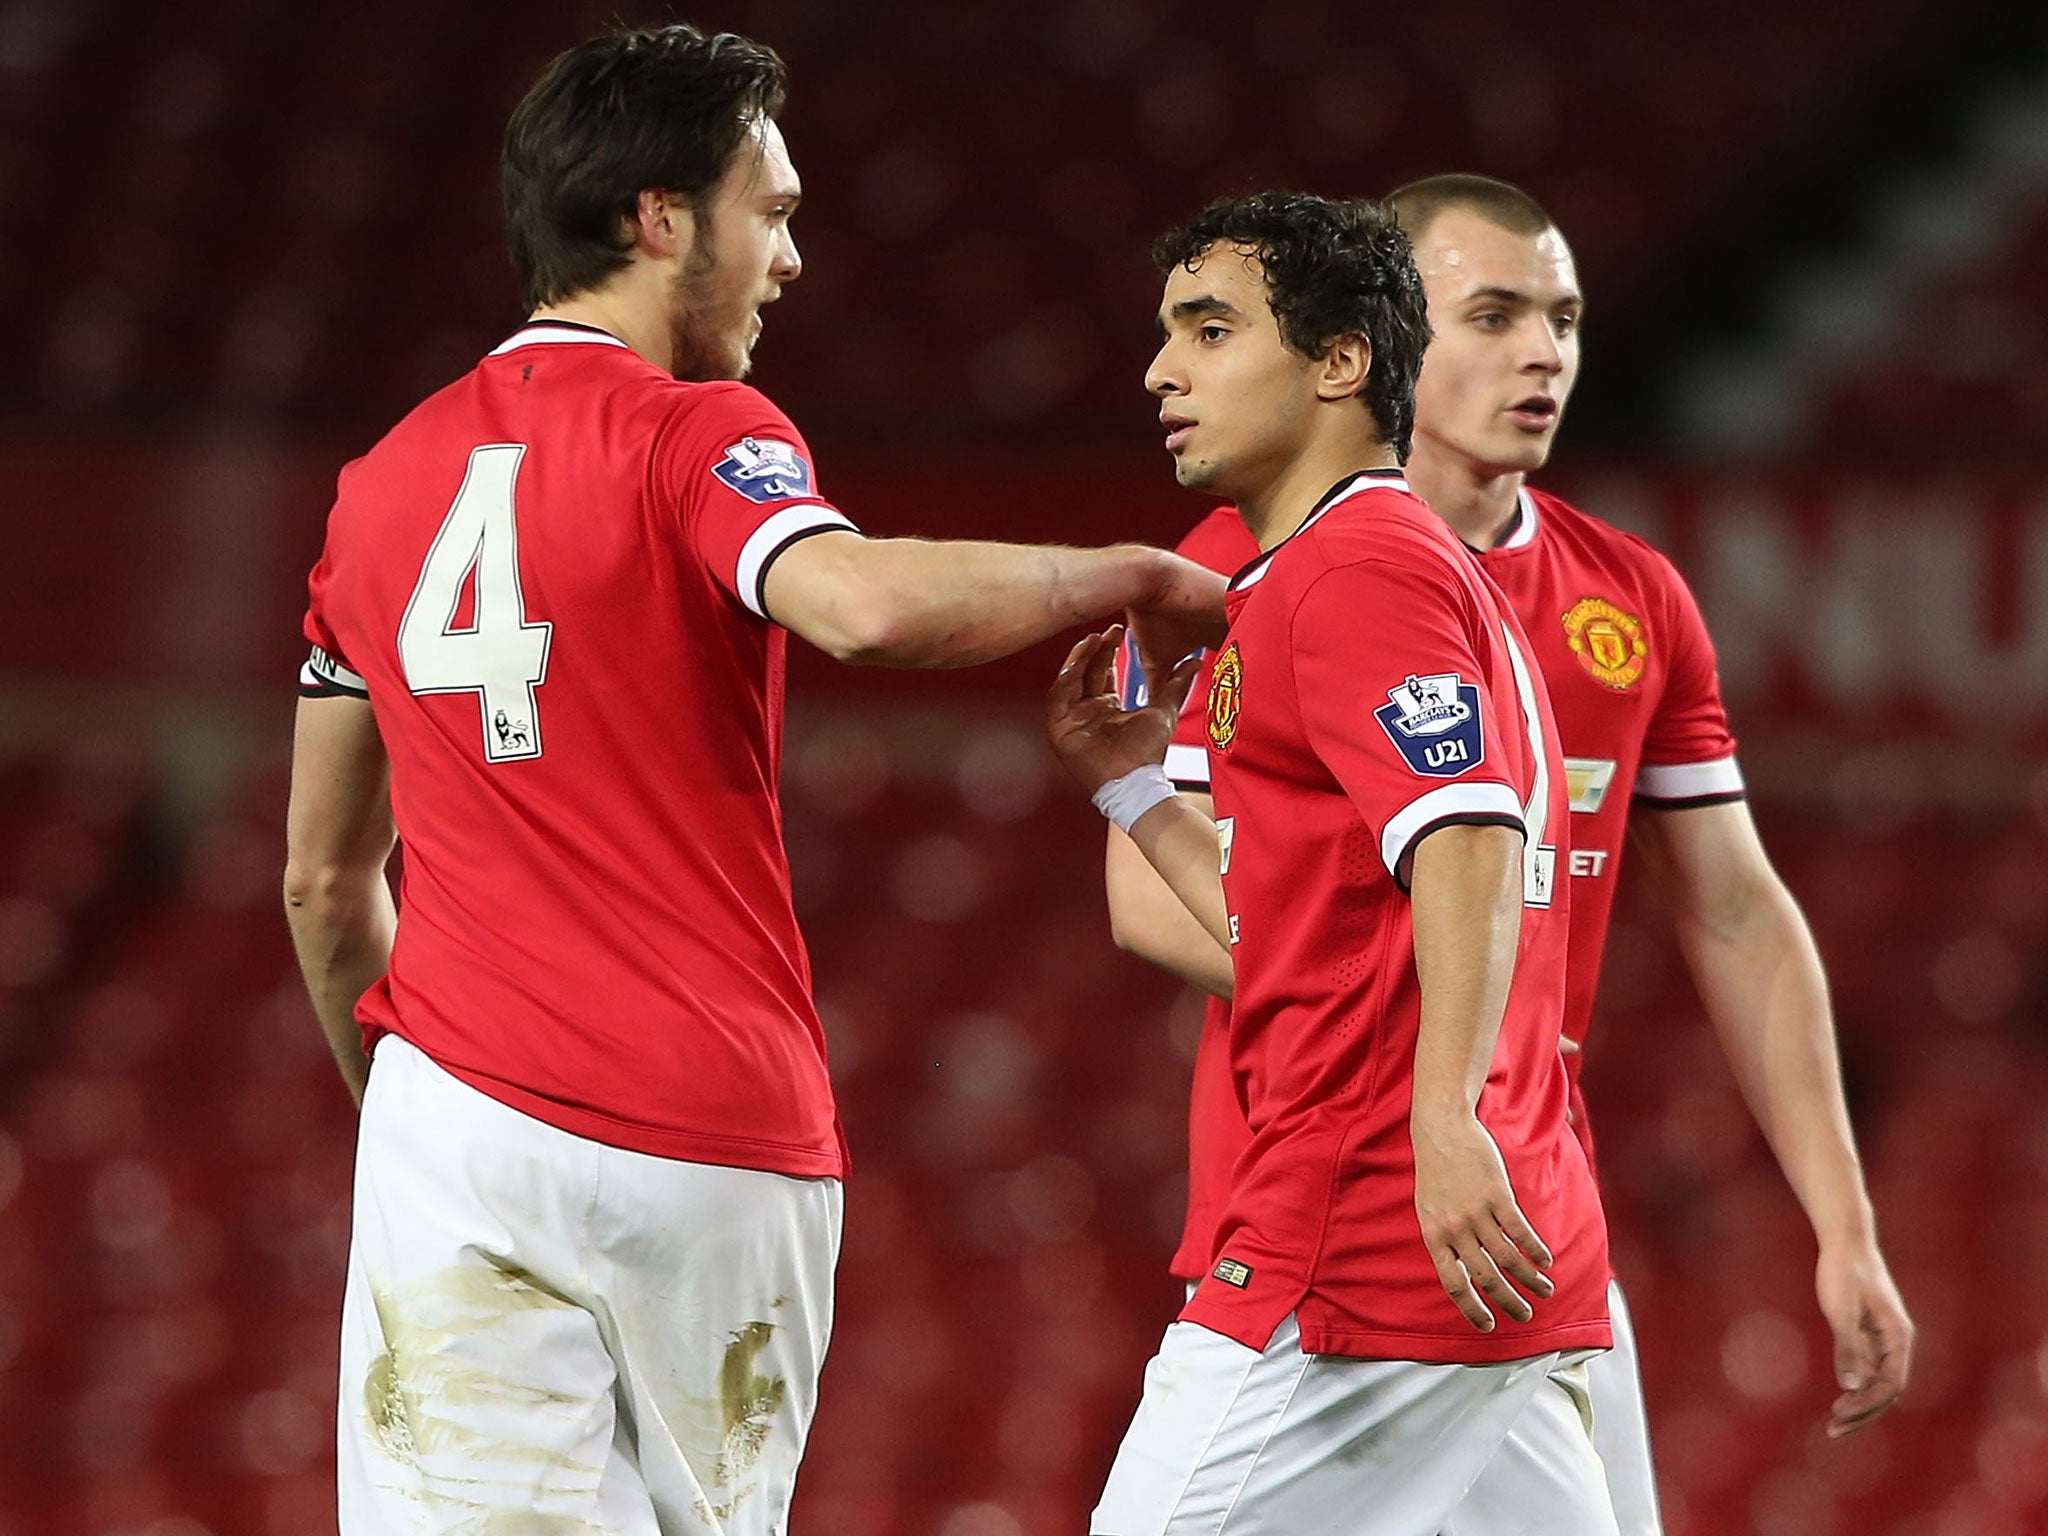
1344,368
664,225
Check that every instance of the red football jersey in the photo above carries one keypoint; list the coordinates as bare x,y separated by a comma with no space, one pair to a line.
1337,746
1641,722
1633,683
547,579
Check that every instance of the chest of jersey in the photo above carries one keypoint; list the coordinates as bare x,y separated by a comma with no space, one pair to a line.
1596,638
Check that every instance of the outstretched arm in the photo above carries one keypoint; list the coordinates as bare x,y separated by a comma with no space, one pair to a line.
338,839
1760,977
924,603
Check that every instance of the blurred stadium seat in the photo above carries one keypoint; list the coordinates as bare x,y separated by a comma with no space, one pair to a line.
174,1178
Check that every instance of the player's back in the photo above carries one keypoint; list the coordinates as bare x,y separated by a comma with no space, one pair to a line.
535,575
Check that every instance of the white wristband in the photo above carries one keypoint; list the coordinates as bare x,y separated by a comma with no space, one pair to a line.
1124,800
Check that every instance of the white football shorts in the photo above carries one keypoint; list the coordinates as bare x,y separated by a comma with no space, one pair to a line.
1621,1427
543,1330
1232,1441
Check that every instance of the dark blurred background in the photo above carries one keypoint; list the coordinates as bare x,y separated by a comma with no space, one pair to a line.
241,238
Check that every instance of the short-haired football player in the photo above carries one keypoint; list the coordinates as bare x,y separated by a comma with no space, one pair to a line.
1632,680
1410,1265
597,1196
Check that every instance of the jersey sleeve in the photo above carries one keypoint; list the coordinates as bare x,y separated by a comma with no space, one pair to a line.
326,672
743,481
1688,750
1394,700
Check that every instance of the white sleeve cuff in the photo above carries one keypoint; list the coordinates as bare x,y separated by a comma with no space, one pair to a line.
1188,766
775,535
1720,779
1453,802
323,674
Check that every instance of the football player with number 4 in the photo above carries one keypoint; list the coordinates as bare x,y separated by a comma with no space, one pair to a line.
597,1195
1409,1269
1631,677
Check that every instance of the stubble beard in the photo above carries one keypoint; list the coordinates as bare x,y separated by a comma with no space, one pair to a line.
702,354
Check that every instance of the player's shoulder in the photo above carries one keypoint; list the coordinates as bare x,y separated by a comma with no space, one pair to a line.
1600,543
714,406
1382,522
1220,541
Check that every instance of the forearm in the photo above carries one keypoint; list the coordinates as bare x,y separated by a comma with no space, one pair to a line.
342,930
1179,842
1763,986
1466,907
918,603
1148,920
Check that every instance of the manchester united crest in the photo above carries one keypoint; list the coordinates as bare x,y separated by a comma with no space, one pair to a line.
1226,692
1608,642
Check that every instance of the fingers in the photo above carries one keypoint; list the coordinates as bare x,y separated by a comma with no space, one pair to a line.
1519,1264
1066,691
1869,1403
1078,681
1518,1231
1475,1269
1874,1365
1174,693
1100,676
1456,1280
1567,1046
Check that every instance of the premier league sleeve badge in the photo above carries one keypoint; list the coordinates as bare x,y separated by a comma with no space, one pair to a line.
1435,723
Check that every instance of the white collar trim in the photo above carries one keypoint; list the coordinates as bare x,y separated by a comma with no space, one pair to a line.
1366,480
1525,524
543,334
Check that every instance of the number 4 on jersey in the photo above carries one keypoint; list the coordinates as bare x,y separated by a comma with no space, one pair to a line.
499,656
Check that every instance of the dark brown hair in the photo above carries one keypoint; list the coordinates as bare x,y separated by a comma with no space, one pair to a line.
662,107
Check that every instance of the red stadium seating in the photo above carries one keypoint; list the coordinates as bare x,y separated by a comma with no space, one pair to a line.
174,1179
314,230
1962,363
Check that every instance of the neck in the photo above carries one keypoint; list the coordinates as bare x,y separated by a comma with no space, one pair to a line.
1278,509
642,327
1478,504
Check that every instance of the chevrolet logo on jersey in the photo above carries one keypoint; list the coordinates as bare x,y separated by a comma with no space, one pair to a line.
1435,722
762,469
1586,780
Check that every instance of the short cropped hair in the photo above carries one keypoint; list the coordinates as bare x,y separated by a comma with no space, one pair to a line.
1332,268
660,107
1509,207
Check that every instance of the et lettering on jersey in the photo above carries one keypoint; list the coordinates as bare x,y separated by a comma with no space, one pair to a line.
548,581
1336,748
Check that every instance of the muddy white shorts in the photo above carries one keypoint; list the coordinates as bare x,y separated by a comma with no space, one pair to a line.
547,1333
1231,1441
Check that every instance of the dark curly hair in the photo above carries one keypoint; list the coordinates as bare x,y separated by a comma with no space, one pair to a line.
662,107
1332,267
